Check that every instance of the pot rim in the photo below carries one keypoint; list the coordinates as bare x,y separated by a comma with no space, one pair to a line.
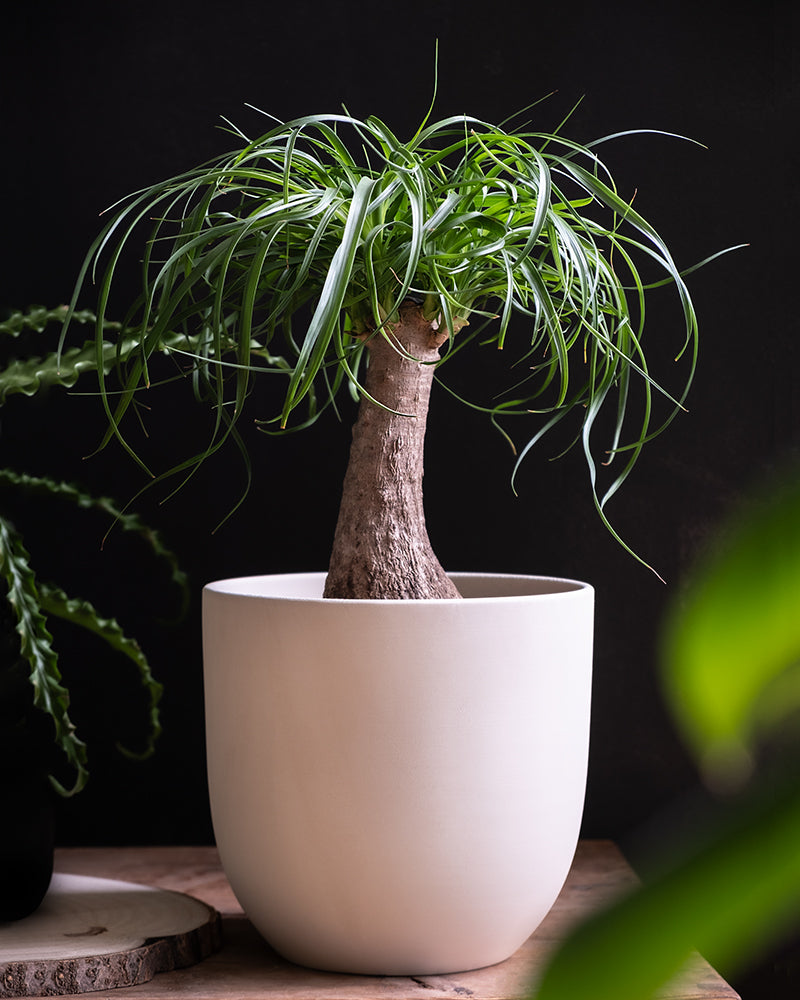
560,588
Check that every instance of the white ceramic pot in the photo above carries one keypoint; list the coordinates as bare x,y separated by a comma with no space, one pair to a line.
397,786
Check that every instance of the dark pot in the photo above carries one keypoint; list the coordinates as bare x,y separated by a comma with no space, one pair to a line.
27,819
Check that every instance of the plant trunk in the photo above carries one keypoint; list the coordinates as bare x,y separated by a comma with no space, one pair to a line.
381,547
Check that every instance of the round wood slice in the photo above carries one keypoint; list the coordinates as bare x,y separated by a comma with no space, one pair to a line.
98,934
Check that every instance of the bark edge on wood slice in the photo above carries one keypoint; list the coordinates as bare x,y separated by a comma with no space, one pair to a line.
94,934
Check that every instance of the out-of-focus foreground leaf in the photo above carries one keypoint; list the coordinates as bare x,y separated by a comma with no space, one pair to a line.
731,665
727,897
732,647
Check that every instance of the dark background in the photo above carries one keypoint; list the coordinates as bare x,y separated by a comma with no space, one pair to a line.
98,99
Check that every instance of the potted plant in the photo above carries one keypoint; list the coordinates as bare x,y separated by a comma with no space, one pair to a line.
397,754
37,735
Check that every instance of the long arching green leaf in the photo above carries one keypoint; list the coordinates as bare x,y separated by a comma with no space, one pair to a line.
315,232
326,315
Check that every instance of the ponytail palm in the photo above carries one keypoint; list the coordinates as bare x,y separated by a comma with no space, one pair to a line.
336,257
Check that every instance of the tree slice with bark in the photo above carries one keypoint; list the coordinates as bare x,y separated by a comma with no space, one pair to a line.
94,934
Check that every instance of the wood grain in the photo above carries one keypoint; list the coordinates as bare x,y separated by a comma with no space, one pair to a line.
246,968
94,934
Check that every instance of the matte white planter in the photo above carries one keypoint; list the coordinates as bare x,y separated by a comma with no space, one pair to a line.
397,786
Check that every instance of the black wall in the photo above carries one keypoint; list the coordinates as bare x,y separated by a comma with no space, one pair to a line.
101,98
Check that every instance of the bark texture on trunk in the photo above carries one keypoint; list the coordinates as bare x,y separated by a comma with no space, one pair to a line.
381,547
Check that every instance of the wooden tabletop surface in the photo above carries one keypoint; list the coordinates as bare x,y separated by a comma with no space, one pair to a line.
246,968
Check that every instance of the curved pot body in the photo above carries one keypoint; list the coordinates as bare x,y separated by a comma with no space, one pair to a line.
397,786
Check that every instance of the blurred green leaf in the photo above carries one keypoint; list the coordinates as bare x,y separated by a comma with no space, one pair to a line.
726,897
730,658
731,655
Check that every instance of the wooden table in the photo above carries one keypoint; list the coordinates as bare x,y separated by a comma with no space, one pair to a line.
247,969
